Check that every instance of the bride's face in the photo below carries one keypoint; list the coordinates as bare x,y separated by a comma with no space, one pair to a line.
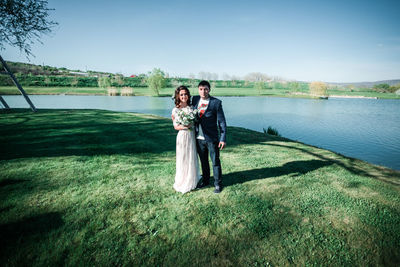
183,96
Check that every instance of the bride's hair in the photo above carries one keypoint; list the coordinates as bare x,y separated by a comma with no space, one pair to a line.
177,100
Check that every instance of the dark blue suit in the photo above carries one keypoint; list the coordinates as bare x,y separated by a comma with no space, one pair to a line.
213,125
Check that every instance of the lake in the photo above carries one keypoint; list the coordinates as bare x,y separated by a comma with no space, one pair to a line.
368,129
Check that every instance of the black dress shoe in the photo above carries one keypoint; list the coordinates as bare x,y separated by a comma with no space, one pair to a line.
201,185
218,190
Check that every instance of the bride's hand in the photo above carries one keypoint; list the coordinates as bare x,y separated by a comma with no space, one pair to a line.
182,127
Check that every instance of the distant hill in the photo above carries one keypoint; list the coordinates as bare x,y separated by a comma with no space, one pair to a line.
26,68
367,84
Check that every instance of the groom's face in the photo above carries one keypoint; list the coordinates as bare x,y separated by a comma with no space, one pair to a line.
204,91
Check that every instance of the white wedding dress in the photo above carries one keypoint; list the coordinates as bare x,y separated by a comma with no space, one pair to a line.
187,166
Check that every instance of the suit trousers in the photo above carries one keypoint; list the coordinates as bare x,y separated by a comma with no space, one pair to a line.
203,149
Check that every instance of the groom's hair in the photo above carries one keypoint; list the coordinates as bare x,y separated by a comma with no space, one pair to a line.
176,97
204,83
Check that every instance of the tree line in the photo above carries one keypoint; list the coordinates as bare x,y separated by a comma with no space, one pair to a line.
155,79
46,76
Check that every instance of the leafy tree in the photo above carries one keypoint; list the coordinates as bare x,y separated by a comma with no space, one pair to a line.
294,86
351,87
118,79
74,81
259,85
47,81
277,86
395,88
259,79
382,88
156,80
22,22
104,82
193,83
318,88
175,83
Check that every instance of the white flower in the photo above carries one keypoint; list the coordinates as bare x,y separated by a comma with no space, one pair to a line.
186,116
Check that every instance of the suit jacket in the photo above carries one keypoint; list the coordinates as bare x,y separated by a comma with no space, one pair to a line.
212,120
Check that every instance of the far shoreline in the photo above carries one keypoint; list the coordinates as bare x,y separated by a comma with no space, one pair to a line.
263,95
217,92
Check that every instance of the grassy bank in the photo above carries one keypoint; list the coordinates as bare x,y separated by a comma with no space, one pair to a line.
145,91
93,187
364,94
138,91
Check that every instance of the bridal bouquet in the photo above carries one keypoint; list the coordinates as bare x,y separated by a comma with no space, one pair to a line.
186,117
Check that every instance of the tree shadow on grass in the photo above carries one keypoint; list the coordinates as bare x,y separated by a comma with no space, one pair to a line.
83,133
13,186
293,168
5,209
6,182
355,166
14,234
52,133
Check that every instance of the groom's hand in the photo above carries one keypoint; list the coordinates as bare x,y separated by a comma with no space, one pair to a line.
221,145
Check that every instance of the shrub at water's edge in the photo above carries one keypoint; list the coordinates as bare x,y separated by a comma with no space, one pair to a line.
318,89
271,131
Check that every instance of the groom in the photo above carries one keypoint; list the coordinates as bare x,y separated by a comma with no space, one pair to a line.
208,140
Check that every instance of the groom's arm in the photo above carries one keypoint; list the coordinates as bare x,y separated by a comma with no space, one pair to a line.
221,124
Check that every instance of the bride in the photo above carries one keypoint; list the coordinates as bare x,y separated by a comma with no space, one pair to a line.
187,166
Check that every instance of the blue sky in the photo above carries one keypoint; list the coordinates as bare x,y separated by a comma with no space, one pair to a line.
332,41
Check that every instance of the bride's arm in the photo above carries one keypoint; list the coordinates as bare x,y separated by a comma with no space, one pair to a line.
180,127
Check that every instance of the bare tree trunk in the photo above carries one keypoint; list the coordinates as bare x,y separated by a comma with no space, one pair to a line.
17,84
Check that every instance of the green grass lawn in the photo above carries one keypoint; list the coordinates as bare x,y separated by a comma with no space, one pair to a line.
93,187
145,91
12,90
